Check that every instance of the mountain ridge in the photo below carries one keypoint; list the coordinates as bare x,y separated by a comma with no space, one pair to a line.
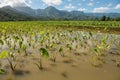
51,12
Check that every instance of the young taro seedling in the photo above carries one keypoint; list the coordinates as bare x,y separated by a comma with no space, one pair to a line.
6,54
96,50
61,53
16,38
23,47
43,53
2,71
69,47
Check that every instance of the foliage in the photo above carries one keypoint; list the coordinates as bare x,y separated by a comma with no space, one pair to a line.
44,52
3,54
2,71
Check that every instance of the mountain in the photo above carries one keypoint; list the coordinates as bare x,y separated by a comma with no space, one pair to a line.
10,14
49,13
26,10
54,13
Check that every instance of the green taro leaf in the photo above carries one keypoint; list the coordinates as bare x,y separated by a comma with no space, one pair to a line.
61,49
20,44
24,47
42,32
90,34
16,38
68,45
2,71
3,54
44,52
104,40
96,51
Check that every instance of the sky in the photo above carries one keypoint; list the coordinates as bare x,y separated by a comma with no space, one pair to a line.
96,6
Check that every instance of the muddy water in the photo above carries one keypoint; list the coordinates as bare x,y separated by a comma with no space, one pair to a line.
76,65
69,68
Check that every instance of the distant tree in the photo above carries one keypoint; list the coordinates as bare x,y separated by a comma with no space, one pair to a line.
117,19
103,18
96,19
108,19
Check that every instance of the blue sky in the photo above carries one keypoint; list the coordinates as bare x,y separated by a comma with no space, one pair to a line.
96,6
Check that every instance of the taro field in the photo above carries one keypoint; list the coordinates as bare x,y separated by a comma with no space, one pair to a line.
60,50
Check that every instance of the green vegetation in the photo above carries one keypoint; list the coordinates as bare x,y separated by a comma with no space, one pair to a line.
51,38
43,53
27,27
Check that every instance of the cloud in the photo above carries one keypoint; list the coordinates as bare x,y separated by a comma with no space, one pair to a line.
82,9
90,4
29,1
117,6
14,3
52,2
100,9
69,6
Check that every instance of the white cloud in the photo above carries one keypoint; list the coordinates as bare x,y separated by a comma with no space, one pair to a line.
52,2
90,4
14,3
117,6
29,1
100,9
69,6
82,9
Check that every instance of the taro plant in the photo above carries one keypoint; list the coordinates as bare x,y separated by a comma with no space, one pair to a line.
2,71
103,46
43,53
16,38
23,47
96,50
90,33
54,57
61,51
69,46
6,54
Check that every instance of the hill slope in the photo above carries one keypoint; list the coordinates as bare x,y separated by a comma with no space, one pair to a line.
9,14
50,13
